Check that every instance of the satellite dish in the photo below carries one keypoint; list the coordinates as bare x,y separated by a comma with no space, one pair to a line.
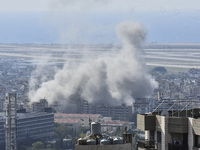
149,113
87,133
164,113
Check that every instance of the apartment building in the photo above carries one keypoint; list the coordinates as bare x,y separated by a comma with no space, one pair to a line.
32,125
79,120
114,125
170,130
39,106
120,112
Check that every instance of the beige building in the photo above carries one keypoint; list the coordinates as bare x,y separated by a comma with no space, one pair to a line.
79,120
172,130
112,126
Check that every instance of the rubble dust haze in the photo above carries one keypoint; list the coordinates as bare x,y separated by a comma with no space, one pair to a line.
111,79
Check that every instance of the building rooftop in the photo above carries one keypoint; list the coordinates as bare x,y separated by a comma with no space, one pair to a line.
183,113
67,121
116,123
25,115
78,115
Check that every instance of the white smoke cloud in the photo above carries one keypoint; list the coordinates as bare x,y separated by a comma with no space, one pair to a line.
111,79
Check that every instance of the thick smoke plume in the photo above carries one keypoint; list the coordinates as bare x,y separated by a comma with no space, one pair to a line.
111,79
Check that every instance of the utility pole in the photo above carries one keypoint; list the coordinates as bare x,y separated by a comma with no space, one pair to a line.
11,122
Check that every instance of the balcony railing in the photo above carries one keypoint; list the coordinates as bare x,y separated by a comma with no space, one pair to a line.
178,147
146,144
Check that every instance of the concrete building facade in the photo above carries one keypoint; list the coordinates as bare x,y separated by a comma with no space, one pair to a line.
164,132
120,112
79,120
112,126
39,106
11,122
31,125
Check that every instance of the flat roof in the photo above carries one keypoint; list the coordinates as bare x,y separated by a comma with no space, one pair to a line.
25,115
67,121
77,115
116,123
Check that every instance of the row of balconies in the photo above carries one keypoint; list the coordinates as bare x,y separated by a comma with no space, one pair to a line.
35,127
36,119
35,123
33,131
152,145
146,144
153,122
177,147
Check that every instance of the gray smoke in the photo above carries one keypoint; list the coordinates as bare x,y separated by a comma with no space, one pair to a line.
111,79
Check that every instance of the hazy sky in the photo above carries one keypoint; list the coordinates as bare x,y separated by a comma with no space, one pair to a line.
94,21
117,5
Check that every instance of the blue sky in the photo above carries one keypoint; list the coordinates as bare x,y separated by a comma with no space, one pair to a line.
94,21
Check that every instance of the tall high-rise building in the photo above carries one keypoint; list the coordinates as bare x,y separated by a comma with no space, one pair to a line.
11,122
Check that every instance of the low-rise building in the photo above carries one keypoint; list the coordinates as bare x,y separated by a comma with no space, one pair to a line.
39,106
78,120
112,126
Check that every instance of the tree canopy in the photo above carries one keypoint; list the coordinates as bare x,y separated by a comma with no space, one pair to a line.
161,70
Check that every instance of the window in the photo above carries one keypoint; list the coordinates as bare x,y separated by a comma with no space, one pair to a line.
159,137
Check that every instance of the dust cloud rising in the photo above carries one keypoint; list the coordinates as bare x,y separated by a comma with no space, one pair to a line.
111,79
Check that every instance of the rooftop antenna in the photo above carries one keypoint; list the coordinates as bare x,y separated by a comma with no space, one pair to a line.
192,108
172,108
159,105
186,107
179,107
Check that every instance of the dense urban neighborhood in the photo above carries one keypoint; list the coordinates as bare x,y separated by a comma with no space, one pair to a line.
44,125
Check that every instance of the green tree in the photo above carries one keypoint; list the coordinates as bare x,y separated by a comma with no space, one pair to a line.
82,130
49,146
81,135
37,145
159,70
62,131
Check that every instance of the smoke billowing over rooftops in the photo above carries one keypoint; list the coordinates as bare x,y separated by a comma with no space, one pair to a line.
111,79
